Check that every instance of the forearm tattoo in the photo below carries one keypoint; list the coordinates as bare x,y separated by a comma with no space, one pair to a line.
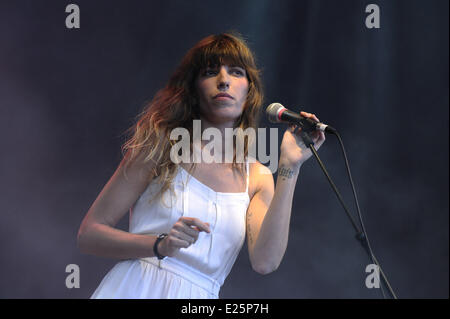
249,230
285,173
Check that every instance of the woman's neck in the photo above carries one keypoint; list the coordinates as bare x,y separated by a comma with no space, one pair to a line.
216,146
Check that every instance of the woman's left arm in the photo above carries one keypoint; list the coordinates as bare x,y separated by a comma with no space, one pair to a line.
269,211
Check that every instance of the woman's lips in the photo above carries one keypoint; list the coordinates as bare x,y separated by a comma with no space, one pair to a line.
223,96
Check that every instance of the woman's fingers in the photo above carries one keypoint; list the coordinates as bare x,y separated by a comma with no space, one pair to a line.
184,233
195,222
310,115
294,129
314,117
175,242
190,238
317,136
182,227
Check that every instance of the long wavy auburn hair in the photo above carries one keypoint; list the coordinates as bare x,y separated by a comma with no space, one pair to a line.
176,105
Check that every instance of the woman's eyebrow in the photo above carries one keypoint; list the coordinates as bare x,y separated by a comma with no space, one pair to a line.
229,65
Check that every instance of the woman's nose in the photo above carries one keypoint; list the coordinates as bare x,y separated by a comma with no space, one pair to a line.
223,79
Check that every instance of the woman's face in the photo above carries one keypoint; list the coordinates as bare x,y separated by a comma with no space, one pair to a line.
222,93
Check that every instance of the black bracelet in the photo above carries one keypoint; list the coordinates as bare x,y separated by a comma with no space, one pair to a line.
155,246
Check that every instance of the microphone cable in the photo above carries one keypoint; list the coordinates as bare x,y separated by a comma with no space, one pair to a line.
361,235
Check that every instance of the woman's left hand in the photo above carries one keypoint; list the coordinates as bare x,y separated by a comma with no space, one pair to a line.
293,150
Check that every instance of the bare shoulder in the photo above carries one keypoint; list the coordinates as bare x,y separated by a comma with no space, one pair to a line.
137,170
121,191
261,179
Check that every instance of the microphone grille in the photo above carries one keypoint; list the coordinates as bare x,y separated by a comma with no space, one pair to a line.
272,112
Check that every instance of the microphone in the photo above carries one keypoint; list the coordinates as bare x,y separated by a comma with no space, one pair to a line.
277,113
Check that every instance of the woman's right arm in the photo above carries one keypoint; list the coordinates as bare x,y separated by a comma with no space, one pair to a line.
97,235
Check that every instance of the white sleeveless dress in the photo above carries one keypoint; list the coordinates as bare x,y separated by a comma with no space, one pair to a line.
194,272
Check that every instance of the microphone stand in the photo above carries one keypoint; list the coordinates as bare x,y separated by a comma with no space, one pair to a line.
360,235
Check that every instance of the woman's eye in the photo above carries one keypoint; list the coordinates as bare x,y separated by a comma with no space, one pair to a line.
210,72
213,72
238,72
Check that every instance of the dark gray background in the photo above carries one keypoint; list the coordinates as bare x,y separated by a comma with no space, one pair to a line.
67,97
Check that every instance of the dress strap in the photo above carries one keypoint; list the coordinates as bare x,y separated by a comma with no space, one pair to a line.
247,168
